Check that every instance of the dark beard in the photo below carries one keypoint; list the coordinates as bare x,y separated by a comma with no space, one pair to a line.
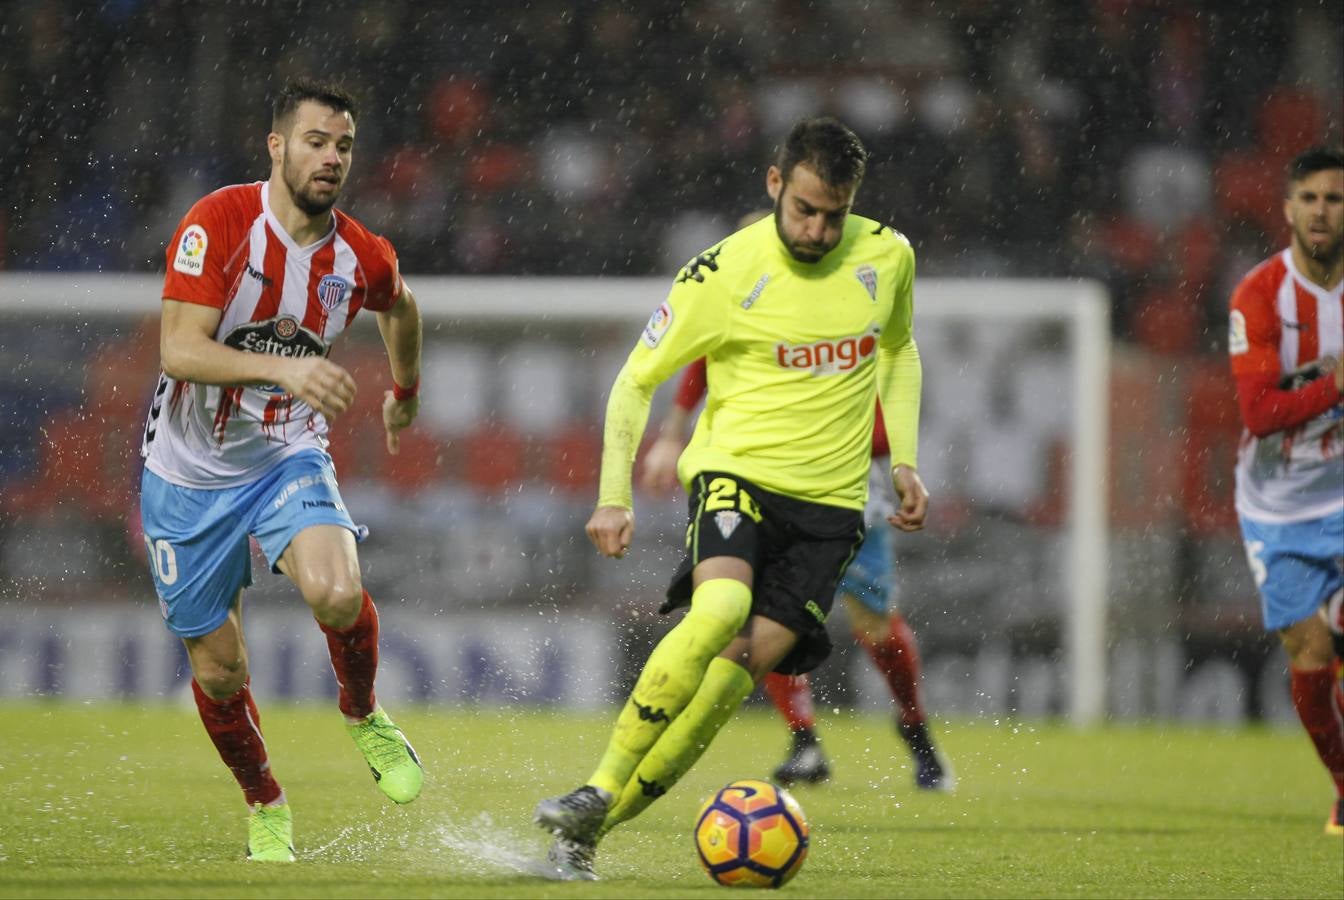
783,238
308,204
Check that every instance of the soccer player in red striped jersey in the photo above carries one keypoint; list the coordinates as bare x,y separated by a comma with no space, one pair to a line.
1286,341
867,590
262,279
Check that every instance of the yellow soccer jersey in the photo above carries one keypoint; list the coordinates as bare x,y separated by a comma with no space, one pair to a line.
794,352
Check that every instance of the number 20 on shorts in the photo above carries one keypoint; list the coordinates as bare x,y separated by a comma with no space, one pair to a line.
725,494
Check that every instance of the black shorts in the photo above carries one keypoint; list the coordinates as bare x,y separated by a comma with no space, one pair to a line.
798,552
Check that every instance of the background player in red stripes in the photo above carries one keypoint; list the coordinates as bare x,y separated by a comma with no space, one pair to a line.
867,589
262,278
1286,340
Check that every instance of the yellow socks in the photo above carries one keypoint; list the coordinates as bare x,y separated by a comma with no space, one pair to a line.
725,685
672,677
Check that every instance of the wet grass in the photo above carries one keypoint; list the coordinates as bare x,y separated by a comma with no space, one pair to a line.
111,801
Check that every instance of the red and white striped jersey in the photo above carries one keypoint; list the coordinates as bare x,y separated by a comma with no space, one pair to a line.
1279,322
230,252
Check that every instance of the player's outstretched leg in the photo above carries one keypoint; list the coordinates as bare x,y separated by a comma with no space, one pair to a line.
670,679
792,696
234,726
354,659
897,657
726,684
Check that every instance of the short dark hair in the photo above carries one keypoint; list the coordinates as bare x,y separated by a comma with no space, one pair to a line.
1317,159
828,147
298,90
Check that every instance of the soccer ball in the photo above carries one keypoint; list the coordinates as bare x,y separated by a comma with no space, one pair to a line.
751,834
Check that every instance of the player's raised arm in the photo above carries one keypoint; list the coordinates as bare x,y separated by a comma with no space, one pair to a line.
190,352
402,332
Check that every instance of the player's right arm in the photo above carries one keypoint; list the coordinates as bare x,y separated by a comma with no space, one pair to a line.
189,352
660,461
691,322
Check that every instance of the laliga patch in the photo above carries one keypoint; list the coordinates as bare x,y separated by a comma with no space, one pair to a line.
727,520
659,322
867,275
1237,342
190,258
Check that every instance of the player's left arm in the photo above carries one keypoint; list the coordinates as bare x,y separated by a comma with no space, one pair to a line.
402,333
899,380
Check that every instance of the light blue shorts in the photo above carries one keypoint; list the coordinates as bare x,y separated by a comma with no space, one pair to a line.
1296,566
868,578
197,539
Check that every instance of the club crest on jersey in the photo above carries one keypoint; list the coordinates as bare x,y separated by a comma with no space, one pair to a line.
659,322
727,521
829,357
332,291
867,275
190,258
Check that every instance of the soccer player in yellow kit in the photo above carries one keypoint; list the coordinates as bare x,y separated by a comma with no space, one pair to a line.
804,318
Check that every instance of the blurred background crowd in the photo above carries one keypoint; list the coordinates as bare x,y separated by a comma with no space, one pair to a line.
1137,141
1141,143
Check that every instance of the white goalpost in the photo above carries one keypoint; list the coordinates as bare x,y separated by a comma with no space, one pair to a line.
1013,368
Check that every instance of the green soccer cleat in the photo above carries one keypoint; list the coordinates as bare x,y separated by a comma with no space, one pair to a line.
270,834
390,756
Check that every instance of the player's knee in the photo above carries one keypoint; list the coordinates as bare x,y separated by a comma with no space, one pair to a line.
220,678
865,623
335,603
1307,644
721,606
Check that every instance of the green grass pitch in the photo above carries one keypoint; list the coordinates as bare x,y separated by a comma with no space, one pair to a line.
112,801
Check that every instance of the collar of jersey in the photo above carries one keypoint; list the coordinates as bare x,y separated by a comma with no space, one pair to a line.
1322,294
283,235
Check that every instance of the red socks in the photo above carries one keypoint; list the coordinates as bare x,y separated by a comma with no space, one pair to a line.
354,659
235,729
1313,696
792,696
897,658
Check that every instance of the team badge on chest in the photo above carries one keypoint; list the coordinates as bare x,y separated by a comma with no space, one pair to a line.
867,275
332,291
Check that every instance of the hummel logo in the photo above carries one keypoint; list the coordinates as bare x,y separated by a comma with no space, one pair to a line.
1297,326
649,714
651,788
247,267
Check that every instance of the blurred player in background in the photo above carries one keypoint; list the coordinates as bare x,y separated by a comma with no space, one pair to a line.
804,317
867,589
1286,340
262,278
